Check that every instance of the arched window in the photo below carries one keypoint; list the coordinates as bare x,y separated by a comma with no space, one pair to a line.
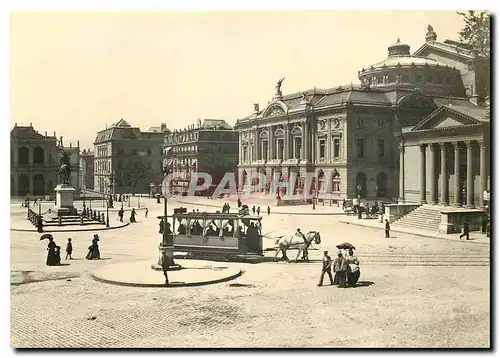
38,155
23,156
38,184
336,182
361,184
381,184
23,187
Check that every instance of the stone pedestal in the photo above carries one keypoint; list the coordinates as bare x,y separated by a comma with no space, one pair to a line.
65,195
166,253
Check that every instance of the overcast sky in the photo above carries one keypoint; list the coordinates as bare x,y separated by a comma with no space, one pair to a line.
76,72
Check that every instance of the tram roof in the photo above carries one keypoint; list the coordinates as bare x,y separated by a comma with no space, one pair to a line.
216,216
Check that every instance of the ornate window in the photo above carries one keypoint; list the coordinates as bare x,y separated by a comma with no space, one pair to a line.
381,148
360,148
322,146
336,182
281,148
336,148
245,153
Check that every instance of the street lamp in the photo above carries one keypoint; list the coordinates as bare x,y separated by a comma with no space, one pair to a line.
107,214
167,245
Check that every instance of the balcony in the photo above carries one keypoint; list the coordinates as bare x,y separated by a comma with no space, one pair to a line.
291,162
259,162
274,162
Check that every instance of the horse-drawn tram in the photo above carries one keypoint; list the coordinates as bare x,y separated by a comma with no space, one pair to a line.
217,235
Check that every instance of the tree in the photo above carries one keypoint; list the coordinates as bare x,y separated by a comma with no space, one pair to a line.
476,33
138,172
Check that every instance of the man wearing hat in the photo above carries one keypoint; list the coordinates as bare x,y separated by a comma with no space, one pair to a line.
327,268
299,233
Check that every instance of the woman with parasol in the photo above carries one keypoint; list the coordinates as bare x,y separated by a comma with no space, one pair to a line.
94,249
351,264
353,268
51,248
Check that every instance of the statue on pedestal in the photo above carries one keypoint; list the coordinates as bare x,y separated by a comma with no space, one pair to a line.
64,170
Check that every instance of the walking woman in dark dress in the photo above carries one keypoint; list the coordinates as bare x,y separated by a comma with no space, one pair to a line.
51,255
94,249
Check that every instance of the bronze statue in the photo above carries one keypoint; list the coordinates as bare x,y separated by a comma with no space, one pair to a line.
278,85
64,170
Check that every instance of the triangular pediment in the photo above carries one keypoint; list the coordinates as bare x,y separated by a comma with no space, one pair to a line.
444,117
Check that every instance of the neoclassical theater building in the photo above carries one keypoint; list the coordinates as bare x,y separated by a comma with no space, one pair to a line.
367,139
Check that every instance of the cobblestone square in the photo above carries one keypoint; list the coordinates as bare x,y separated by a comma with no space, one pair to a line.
414,292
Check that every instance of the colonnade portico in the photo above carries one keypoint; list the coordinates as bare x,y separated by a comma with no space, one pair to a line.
429,179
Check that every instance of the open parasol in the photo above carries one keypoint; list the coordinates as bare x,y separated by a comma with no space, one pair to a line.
346,246
46,236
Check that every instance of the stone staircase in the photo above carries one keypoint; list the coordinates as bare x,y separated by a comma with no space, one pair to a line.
426,217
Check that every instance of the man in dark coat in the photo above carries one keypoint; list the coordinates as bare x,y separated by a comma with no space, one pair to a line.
465,231
387,229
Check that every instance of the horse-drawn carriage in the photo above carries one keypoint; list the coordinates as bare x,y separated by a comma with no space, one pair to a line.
217,235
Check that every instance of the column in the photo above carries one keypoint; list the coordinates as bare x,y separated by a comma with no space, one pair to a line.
456,184
305,151
32,183
286,155
401,172
270,143
240,148
444,176
329,144
257,144
470,176
422,175
432,169
482,171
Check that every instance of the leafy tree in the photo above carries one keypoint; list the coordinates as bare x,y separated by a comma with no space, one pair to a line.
476,33
138,172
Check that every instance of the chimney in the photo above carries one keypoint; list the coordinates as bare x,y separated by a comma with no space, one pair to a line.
163,126
54,133
45,134
78,143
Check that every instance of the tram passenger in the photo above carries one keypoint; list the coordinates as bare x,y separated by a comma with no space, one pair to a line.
182,229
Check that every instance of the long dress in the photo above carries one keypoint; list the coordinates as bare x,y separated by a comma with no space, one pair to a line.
51,255
340,268
353,271
93,251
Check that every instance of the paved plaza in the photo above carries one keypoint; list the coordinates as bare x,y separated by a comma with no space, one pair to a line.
414,291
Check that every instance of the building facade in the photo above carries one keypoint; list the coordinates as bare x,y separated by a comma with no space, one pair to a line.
87,169
35,160
127,160
210,146
348,137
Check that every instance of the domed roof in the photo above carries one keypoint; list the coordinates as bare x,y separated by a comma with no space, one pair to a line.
399,55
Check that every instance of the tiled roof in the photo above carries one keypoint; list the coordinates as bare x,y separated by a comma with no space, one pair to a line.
407,61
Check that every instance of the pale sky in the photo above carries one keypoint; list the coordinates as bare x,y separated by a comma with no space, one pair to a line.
76,72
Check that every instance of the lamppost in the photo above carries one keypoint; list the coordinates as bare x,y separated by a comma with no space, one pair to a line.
167,245
358,187
107,214
111,185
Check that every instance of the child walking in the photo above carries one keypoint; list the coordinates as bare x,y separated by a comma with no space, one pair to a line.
69,249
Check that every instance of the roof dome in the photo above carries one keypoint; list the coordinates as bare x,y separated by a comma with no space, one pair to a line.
399,55
399,49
